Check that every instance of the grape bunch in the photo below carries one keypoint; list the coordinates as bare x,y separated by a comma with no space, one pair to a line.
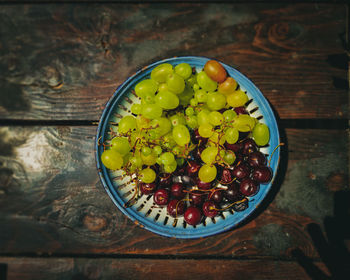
191,143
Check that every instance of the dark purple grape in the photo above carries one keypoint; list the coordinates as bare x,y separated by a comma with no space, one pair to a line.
236,147
192,215
161,197
262,174
233,193
240,110
241,171
210,209
171,208
249,187
226,176
256,159
249,146
177,190
147,188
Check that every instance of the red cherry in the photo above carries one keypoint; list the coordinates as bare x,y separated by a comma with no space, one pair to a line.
192,215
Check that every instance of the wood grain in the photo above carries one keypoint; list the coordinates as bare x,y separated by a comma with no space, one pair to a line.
52,202
65,61
73,268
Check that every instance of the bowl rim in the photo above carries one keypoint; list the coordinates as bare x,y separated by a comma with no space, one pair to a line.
189,232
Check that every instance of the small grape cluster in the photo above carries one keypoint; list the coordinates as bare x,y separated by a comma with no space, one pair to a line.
190,142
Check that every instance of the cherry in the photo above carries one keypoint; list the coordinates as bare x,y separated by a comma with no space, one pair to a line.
249,187
262,174
197,198
241,110
192,215
241,171
197,153
177,190
216,196
233,193
147,188
171,208
256,159
249,146
192,168
197,139
165,179
209,209
203,185
226,176
161,197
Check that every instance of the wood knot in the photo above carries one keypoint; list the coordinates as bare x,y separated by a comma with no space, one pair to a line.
94,223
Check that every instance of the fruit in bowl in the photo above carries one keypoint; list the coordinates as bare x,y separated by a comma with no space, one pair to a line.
190,143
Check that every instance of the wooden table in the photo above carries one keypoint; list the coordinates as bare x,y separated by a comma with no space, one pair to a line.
60,64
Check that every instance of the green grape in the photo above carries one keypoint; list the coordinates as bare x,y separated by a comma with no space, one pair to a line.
136,109
205,82
171,167
231,135
216,101
161,72
161,125
126,124
189,111
136,162
157,150
146,151
121,145
175,83
146,87
191,122
163,87
209,154
153,134
150,159
214,139
168,141
181,135
196,87
177,119
207,173
167,158
148,99
167,100
244,123
261,134
147,175
201,96
184,70
186,96
151,111
206,130
142,122
237,99
126,158
193,102
229,115
216,118
180,161
177,150
192,81
230,158
112,159
203,117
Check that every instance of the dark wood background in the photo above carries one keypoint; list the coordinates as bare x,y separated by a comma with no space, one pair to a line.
59,65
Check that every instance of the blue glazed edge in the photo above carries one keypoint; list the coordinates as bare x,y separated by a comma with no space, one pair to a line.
189,232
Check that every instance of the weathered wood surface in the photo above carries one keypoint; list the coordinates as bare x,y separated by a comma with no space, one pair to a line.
52,202
65,61
81,269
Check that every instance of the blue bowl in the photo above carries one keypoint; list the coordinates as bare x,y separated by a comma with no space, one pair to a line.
143,212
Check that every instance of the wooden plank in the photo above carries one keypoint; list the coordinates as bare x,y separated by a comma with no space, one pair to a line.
79,268
65,61
52,202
